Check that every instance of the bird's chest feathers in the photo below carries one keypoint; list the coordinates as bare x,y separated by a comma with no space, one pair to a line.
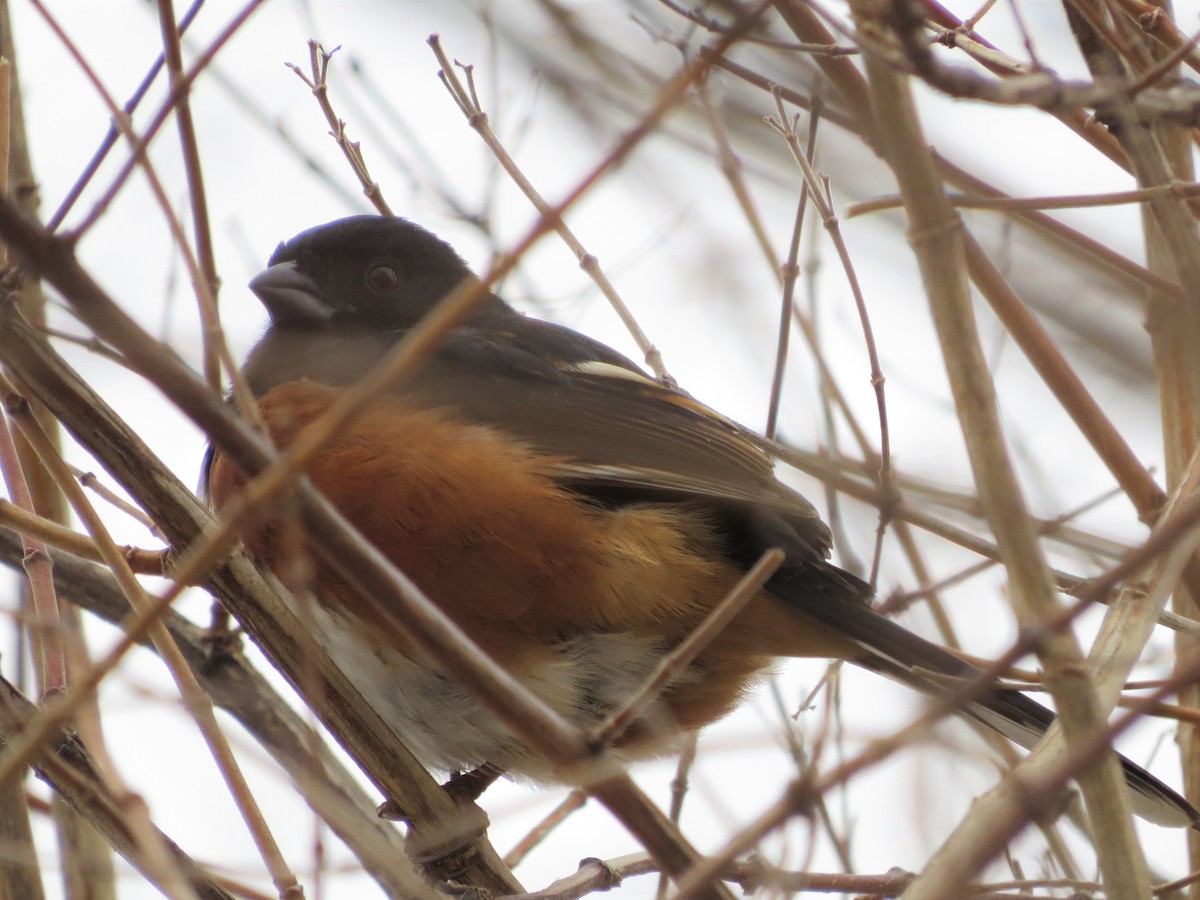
577,602
472,517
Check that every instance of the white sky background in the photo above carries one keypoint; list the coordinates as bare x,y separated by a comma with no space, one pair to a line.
668,234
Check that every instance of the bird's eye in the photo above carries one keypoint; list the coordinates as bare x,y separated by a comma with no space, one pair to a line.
382,279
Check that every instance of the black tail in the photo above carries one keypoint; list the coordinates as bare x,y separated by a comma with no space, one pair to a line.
1024,721
827,595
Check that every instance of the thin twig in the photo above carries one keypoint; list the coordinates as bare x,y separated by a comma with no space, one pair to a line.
468,102
575,800
96,486
207,298
144,562
317,80
114,133
46,626
1015,204
819,191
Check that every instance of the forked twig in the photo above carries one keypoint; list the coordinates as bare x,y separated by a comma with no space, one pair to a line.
468,101
317,80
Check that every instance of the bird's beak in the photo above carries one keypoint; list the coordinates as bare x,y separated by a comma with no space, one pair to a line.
290,296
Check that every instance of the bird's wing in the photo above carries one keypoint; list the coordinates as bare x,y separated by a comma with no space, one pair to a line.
623,437
615,428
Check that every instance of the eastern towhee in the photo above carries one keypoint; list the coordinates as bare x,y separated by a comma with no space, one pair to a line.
574,517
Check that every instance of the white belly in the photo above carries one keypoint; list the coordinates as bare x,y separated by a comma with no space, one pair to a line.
585,679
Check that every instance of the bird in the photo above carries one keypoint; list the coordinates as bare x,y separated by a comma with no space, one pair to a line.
575,517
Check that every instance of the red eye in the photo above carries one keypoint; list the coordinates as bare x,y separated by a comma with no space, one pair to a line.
382,279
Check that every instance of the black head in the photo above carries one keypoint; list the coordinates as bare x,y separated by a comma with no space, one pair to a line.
376,271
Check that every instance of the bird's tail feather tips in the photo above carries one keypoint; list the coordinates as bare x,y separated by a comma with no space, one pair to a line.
1024,721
